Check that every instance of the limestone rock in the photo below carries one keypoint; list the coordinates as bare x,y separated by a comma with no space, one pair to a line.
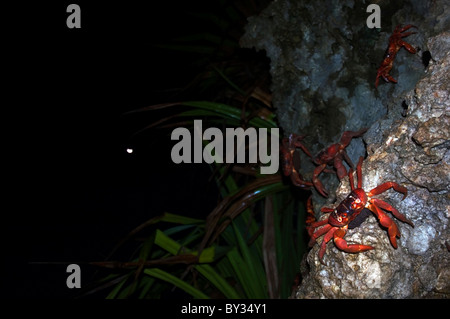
324,61
414,152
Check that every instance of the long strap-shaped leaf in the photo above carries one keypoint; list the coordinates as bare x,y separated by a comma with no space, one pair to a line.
220,109
270,251
232,206
253,268
166,217
163,275
207,271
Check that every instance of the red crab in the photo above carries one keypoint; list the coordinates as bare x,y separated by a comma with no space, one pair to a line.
287,149
344,216
334,155
395,44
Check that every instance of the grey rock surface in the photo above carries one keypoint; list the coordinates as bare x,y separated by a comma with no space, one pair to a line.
415,153
324,61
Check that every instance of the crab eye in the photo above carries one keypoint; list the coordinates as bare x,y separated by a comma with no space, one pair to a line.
356,203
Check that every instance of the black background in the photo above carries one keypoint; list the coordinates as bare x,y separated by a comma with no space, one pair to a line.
72,190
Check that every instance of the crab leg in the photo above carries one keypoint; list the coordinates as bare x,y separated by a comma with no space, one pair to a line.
342,244
358,174
319,233
382,204
326,210
384,73
346,138
406,45
399,29
387,222
297,180
347,159
311,216
286,155
328,236
340,168
388,78
287,150
385,186
359,171
395,44
295,140
348,135
320,223
350,179
316,181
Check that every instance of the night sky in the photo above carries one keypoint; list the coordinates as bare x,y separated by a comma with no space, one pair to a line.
72,189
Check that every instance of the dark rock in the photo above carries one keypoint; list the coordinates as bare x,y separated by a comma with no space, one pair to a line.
323,65
324,61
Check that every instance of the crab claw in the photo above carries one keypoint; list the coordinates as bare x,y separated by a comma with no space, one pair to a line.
387,222
342,244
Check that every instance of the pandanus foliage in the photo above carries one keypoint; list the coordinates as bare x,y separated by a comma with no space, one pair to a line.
250,245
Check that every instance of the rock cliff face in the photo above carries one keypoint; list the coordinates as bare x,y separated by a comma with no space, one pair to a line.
415,153
323,65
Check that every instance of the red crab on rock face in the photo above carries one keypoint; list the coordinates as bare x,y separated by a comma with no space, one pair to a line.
395,44
341,218
287,149
334,155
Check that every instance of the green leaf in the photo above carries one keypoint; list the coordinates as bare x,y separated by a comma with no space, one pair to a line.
234,86
218,281
116,289
146,284
197,113
220,108
178,219
207,271
211,108
163,275
146,248
240,272
170,245
177,229
253,268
